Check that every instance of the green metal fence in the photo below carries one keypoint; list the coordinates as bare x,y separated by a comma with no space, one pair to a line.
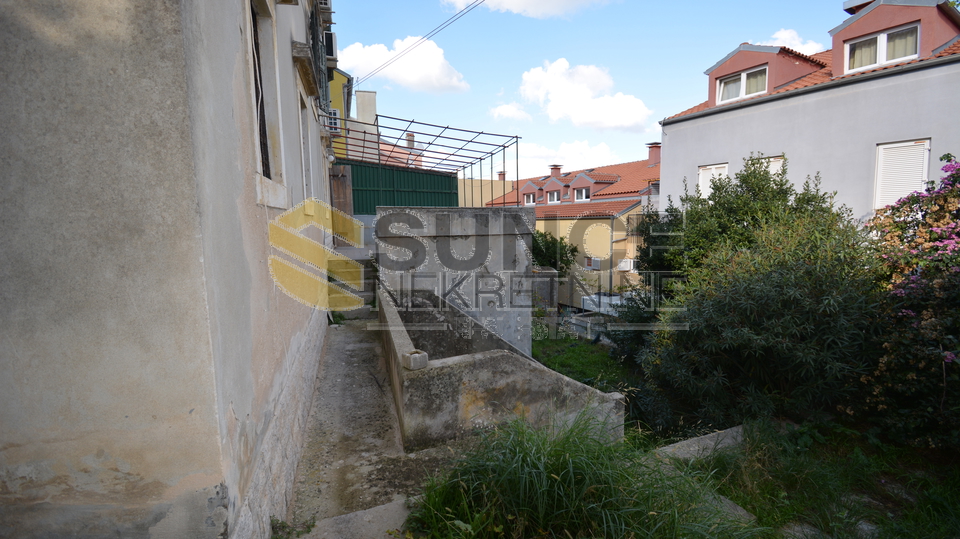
380,185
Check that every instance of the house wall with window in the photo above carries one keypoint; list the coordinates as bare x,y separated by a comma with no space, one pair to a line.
840,126
152,376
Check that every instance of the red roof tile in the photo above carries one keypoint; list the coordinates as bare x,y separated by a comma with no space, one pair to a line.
585,209
609,176
630,186
820,76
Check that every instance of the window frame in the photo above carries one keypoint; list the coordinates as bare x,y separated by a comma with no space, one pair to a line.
529,199
881,48
879,191
743,84
263,62
581,190
705,189
550,197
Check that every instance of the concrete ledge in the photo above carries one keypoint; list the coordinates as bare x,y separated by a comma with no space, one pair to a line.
452,396
702,446
372,523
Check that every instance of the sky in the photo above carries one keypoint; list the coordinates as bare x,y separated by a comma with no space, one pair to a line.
584,83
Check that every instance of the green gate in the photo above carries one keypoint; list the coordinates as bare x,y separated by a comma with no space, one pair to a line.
381,185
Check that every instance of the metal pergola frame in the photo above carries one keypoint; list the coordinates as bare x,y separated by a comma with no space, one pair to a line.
398,142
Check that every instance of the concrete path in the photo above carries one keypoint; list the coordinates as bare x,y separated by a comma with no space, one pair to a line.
353,460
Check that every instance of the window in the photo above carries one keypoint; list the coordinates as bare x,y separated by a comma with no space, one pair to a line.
901,169
743,85
591,263
271,187
553,197
528,199
333,121
706,173
581,194
893,46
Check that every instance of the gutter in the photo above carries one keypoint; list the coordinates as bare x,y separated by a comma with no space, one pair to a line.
889,72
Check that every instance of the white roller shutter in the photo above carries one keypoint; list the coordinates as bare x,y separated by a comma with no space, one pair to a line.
901,169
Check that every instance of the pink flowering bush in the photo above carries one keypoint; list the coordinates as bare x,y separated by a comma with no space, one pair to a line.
914,392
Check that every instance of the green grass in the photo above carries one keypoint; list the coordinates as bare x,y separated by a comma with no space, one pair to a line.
521,482
581,360
831,478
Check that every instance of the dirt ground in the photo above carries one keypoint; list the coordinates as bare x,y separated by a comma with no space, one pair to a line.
353,459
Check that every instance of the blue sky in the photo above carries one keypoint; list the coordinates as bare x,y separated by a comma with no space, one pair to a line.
583,82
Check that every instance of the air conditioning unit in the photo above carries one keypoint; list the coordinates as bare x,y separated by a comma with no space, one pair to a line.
333,121
627,264
330,43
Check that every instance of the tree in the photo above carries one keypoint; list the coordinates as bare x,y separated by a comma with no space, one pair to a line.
552,252
734,208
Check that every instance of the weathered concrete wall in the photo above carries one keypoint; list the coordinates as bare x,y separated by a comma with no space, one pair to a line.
451,396
477,258
153,381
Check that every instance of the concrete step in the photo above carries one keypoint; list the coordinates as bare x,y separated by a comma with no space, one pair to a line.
372,523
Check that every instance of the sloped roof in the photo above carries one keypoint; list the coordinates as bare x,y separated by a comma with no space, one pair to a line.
635,172
821,76
632,185
607,208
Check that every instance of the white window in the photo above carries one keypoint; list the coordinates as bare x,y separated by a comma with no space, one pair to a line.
333,121
553,197
528,199
741,85
901,170
896,45
581,194
706,173
591,263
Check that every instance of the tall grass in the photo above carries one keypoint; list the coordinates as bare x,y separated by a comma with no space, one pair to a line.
831,478
522,482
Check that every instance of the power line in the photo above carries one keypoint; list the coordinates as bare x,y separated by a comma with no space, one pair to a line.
470,7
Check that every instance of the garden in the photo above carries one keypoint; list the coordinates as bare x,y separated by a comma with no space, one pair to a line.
834,342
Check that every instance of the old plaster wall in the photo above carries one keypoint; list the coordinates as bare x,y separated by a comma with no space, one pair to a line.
108,416
153,381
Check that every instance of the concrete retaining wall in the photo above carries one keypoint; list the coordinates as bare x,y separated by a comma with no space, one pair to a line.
440,398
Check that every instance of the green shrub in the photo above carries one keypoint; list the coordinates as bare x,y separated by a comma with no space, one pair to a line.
566,483
552,252
914,391
781,327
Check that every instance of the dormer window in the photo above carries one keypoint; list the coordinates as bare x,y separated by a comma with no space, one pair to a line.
581,194
553,197
897,45
528,199
741,85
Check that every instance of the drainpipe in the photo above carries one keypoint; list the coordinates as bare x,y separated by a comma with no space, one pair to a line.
611,253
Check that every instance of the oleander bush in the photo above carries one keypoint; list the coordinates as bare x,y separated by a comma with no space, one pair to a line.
781,327
914,389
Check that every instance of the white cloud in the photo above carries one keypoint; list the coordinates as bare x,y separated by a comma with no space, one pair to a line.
538,9
511,111
424,69
791,39
581,95
535,160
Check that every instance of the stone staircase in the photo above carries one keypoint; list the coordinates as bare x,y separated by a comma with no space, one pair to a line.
363,255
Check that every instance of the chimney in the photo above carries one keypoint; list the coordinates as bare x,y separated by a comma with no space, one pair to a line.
367,107
555,171
653,152
410,140
502,175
